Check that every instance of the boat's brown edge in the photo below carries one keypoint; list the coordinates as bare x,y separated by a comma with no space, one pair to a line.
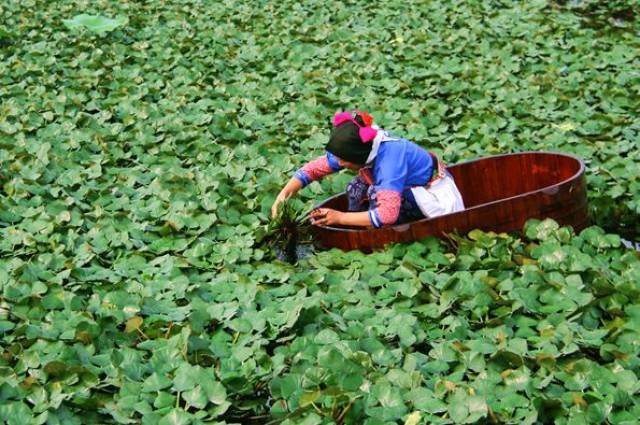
544,197
580,171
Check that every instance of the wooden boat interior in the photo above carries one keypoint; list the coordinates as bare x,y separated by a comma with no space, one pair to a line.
500,193
485,180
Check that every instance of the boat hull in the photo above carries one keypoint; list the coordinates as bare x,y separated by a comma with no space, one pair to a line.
500,193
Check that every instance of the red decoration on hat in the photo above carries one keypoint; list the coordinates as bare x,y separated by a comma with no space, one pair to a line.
367,134
366,117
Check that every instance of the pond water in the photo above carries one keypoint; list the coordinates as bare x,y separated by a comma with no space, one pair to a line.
631,244
302,250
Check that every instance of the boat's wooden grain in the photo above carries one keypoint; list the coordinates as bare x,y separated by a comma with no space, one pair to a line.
500,193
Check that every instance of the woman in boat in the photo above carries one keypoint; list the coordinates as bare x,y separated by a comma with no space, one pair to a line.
397,181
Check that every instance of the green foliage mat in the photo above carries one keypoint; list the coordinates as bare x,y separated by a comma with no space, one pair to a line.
141,147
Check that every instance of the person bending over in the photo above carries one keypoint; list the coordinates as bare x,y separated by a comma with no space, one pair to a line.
397,181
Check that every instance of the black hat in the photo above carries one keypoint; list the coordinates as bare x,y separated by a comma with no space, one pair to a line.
346,144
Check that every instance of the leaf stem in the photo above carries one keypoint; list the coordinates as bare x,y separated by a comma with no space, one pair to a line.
317,409
346,410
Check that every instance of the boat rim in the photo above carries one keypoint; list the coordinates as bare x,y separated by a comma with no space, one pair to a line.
404,226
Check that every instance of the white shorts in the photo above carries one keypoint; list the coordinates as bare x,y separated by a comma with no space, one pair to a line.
442,197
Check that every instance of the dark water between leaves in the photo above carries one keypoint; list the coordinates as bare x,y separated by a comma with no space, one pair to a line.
631,244
291,257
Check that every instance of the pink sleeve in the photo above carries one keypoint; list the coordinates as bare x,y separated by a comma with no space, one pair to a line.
387,208
318,168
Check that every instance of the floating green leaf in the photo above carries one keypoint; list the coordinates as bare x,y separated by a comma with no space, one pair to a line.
139,164
95,23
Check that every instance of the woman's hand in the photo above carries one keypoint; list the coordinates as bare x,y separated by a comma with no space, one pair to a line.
291,188
326,216
274,208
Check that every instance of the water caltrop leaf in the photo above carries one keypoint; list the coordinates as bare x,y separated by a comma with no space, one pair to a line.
140,280
309,397
458,409
196,397
326,336
413,418
215,391
186,377
176,417
15,413
95,23
427,401
133,324
156,382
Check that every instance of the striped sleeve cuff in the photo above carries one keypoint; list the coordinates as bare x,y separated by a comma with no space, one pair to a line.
333,162
302,176
374,218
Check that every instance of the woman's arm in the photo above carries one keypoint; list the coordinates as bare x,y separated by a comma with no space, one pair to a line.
291,188
312,171
386,209
329,217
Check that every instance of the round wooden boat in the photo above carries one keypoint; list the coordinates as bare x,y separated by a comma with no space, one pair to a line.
500,194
